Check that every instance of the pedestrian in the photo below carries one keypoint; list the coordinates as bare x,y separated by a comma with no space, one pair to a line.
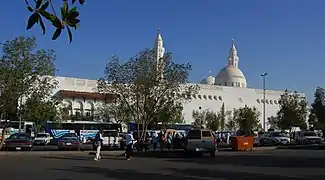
154,140
129,144
169,139
99,142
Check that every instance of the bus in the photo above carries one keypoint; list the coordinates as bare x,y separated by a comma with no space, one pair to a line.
86,130
13,127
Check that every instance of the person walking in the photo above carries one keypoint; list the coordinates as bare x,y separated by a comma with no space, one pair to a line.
98,142
129,144
154,140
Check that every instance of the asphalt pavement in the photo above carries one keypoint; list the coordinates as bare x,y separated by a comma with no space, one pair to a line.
268,165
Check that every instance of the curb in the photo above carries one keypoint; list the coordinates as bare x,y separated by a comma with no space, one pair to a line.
304,147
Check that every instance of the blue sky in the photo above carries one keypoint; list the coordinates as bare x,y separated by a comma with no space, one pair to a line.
282,37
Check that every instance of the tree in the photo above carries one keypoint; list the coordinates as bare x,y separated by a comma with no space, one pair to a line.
231,124
246,118
68,17
317,111
199,118
212,120
171,114
293,111
23,68
113,112
273,122
38,109
146,85
222,117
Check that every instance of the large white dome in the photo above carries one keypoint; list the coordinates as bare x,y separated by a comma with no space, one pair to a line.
231,76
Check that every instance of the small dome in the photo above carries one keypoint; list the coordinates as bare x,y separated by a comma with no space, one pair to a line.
231,76
208,80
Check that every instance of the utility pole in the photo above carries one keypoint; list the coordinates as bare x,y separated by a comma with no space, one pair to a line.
264,111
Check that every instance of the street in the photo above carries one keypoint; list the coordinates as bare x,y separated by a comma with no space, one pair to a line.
275,164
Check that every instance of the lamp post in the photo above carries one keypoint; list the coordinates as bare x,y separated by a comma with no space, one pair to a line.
201,117
264,114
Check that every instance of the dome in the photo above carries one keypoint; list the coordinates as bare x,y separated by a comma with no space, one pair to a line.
208,80
231,76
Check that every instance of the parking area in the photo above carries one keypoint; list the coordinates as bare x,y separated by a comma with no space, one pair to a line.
275,164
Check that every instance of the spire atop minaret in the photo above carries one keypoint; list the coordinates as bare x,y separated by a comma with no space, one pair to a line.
233,57
159,38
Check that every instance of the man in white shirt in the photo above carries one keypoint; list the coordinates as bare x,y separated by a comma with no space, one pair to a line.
99,141
129,144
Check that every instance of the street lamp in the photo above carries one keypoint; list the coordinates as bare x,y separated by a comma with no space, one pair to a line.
201,117
264,115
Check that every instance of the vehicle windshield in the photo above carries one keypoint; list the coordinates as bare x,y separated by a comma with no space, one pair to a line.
278,134
309,134
19,136
110,134
41,135
69,135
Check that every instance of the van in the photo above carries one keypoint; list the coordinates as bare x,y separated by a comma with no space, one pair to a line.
201,140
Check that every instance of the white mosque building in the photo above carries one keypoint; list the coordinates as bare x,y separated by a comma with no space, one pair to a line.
228,88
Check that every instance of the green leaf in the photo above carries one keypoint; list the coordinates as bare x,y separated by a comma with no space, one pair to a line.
81,2
38,3
32,20
57,22
57,33
47,15
64,10
70,34
73,15
45,5
73,22
30,9
42,25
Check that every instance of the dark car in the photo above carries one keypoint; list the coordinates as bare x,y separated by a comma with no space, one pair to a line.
69,141
19,141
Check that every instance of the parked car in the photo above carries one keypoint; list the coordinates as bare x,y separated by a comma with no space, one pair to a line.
274,138
42,139
307,137
19,141
201,140
69,141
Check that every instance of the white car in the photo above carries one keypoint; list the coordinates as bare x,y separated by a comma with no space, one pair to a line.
42,139
274,138
307,137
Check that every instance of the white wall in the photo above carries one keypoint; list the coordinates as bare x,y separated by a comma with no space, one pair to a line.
232,97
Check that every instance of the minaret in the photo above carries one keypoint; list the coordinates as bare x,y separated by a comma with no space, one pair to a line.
160,51
233,57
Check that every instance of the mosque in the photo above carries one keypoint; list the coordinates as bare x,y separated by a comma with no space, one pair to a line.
228,88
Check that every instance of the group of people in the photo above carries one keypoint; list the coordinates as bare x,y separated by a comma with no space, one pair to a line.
99,143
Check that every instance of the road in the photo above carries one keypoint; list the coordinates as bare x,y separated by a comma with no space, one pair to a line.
265,165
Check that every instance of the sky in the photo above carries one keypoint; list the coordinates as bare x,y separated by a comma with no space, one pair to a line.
284,38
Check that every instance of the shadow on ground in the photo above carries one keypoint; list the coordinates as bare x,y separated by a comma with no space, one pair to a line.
173,174
258,160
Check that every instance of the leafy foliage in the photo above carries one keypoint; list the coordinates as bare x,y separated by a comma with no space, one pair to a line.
317,111
113,112
22,71
246,118
171,114
68,17
293,111
207,118
39,110
222,117
273,122
145,90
